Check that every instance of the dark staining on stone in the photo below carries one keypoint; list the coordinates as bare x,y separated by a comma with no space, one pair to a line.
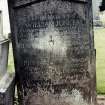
54,52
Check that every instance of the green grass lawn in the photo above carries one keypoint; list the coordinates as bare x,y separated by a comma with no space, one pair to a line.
99,36
10,60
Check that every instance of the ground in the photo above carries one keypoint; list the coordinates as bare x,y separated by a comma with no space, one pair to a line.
10,60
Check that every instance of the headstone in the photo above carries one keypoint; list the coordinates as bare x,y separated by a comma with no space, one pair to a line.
4,50
1,23
96,13
7,89
53,51
96,4
7,81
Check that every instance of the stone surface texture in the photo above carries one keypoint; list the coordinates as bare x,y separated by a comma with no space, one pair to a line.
4,50
54,51
7,86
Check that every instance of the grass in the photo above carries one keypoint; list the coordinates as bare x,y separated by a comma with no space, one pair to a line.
99,36
10,60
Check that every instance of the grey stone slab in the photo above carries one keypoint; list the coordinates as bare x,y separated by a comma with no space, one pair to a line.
4,50
96,4
1,23
54,51
7,86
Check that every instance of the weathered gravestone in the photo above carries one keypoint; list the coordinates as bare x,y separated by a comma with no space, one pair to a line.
54,51
96,4
7,89
96,13
7,81
4,50
1,25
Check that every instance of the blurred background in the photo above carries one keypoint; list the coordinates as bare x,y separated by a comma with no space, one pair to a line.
5,31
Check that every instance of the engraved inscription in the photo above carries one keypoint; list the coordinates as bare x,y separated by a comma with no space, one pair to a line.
57,49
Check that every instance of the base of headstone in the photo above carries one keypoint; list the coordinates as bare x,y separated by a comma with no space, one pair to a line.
7,86
101,99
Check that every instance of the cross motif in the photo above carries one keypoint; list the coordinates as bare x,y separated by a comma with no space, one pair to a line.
51,40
